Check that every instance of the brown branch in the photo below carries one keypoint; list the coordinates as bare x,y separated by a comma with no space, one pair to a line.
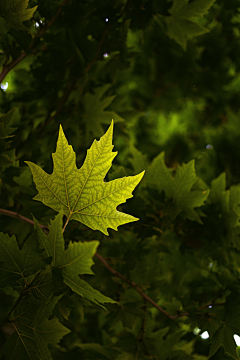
211,303
61,103
11,65
54,18
6,68
100,46
116,273
99,257
20,217
109,27
133,284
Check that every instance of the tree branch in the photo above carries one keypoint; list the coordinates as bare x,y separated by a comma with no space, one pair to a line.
116,273
60,104
133,284
109,27
20,217
6,68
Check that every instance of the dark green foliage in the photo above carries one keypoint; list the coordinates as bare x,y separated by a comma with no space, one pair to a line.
167,73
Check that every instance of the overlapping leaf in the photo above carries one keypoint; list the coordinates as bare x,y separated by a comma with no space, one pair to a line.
227,202
15,12
95,113
82,194
182,25
230,326
177,187
74,261
33,331
18,264
6,156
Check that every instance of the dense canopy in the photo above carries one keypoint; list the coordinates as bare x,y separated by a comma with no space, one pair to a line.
127,257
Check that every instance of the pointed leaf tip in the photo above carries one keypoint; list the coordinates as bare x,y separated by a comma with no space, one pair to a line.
82,194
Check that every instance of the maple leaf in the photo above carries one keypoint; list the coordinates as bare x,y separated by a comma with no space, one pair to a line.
230,326
15,12
138,160
33,331
82,194
18,264
74,261
95,114
182,25
178,187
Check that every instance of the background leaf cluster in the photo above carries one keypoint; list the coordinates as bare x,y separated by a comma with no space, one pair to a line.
168,74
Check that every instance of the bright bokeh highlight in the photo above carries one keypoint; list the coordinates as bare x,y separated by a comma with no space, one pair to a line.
205,335
237,339
4,86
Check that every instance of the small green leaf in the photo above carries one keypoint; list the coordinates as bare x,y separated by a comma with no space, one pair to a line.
195,9
18,264
181,30
178,187
15,12
230,326
33,331
182,25
95,114
75,260
82,288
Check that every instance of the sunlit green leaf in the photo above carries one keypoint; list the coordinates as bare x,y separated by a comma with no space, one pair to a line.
82,194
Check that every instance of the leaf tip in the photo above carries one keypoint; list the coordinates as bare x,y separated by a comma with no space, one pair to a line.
111,126
60,129
142,173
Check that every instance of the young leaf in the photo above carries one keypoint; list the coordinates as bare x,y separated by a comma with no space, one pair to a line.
82,194
76,260
33,331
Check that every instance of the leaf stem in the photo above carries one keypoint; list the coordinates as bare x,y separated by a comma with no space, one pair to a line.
65,225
